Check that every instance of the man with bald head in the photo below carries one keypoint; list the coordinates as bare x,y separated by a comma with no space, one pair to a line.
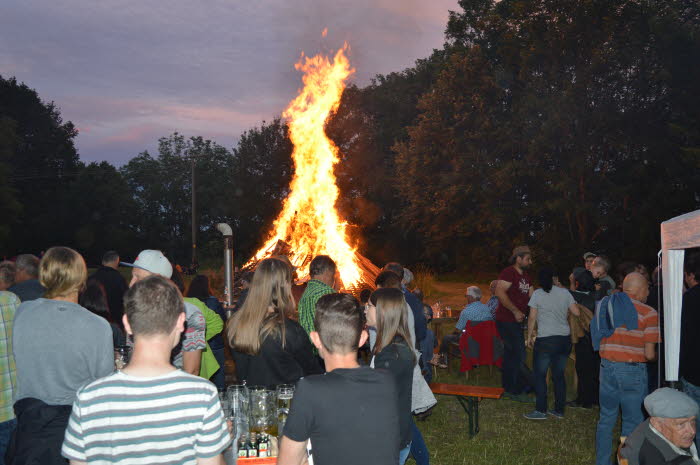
626,331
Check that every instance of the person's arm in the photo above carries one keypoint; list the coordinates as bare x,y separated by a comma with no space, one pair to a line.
573,308
191,361
530,341
650,351
291,452
501,292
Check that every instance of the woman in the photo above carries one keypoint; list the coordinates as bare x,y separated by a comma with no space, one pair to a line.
199,289
386,311
94,298
269,348
549,308
58,346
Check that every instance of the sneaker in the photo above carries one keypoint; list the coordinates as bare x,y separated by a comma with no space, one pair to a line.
536,415
555,414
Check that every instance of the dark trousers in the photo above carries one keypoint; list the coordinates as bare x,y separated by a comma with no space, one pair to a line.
551,351
587,371
516,376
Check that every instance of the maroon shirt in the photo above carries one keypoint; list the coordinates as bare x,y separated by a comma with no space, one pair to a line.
518,293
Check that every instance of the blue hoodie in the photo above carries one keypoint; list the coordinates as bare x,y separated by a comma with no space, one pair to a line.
614,312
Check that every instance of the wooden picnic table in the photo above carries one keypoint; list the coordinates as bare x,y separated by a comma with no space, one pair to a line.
468,397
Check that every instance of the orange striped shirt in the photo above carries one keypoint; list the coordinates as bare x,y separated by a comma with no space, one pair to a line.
627,345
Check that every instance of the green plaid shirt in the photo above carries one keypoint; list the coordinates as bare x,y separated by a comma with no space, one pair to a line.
8,305
307,304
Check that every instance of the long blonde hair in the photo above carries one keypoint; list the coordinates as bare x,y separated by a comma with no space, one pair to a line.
391,317
263,313
62,272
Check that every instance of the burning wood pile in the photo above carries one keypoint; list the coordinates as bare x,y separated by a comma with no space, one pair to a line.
309,224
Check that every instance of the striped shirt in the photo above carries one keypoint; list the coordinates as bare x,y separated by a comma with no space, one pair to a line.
307,304
627,345
8,375
121,419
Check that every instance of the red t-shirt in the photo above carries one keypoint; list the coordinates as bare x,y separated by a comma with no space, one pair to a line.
518,293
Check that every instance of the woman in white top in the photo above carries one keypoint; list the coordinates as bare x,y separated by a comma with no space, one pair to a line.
549,308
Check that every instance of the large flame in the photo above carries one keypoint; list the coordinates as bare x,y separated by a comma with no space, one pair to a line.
309,222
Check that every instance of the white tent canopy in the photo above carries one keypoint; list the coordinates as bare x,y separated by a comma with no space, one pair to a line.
677,234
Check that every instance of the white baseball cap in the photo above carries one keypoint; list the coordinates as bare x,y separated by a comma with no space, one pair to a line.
152,261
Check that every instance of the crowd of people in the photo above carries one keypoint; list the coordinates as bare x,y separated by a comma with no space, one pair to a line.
63,399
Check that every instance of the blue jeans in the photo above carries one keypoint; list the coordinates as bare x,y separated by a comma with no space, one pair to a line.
515,374
694,392
419,450
622,385
403,454
551,351
6,429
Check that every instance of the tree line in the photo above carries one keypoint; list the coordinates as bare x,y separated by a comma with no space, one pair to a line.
568,125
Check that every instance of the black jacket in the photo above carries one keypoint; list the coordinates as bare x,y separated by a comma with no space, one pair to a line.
277,365
38,438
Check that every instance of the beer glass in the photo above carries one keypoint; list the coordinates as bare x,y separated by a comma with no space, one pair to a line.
285,392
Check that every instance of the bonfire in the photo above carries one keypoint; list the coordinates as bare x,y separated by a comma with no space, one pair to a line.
309,223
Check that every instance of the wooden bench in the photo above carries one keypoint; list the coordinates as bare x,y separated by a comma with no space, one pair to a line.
468,397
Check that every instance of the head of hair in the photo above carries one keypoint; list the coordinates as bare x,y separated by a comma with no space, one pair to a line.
364,295
29,264
584,281
546,278
396,268
264,311
7,273
285,259
604,261
94,298
199,287
321,264
428,311
62,272
692,266
338,323
178,280
391,317
388,279
474,291
110,256
153,305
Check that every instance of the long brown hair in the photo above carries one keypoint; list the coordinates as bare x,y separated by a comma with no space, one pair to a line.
391,317
270,289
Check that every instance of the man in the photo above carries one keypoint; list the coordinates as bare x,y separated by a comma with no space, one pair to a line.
587,360
7,275
350,414
492,303
27,286
475,310
666,438
588,259
113,418
8,306
690,322
513,290
113,282
420,325
634,330
322,273
188,355
605,284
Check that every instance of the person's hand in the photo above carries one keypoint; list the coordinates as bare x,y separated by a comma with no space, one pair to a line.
519,316
530,342
597,286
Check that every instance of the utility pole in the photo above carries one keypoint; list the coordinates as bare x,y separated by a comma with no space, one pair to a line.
194,214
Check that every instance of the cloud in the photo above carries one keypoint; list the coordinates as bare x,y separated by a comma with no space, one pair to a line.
125,71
